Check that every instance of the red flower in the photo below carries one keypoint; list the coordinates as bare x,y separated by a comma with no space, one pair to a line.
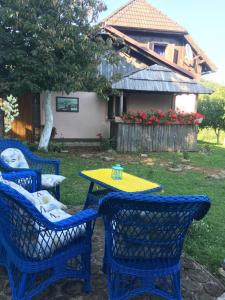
143,115
174,117
152,118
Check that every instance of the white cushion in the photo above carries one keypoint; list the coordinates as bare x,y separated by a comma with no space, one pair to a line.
51,180
51,240
42,200
19,189
14,158
51,209
56,215
45,199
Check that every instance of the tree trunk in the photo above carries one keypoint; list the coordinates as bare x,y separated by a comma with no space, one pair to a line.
46,133
1,123
217,136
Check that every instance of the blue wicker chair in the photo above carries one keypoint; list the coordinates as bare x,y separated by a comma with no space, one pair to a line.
27,179
144,237
37,252
37,163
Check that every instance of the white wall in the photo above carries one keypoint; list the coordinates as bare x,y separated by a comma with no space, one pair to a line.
146,102
85,124
186,103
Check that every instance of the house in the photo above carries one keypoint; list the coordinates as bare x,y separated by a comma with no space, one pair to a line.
160,71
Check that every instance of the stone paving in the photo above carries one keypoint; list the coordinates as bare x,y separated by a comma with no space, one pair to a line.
197,283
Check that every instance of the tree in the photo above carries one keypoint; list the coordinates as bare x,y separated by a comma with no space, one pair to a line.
214,111
50,45
11,111
219,90
212,106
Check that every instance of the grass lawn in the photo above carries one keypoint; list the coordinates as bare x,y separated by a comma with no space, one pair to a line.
206,239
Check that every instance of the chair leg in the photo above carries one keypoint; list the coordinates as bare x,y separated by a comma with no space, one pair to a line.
87,285
87,266
17,288
57,192
177,289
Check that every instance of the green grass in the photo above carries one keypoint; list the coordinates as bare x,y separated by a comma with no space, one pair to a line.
206,239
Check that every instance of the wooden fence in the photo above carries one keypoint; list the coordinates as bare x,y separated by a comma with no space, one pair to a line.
142,138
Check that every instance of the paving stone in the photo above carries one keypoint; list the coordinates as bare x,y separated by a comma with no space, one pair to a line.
49,293
107,158
191,285
213,289
203,296
144,155
73,288
187,263
198,276
86,155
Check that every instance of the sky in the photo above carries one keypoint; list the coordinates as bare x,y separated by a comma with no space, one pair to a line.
203,19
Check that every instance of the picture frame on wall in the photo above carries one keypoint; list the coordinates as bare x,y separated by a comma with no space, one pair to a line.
67,104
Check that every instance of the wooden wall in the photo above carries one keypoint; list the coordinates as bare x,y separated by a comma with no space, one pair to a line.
173,41
139,138
29,117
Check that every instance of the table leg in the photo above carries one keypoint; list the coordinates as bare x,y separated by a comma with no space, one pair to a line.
90,189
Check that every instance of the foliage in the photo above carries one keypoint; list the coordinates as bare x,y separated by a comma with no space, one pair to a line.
186,155
205,148
51,45
219,90
214,111
165,118
106,143
175,161
57,147
11,111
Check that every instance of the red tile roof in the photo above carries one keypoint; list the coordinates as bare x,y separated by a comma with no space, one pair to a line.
140,14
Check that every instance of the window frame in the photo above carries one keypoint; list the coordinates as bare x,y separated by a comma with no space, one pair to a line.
160,44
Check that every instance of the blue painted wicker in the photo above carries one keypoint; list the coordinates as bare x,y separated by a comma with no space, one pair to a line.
27,179
39,164
144,237
37,252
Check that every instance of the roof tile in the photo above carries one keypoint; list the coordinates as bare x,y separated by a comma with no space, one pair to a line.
140,14
159,79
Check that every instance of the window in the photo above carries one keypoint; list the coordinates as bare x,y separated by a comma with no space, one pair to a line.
175,56
160,49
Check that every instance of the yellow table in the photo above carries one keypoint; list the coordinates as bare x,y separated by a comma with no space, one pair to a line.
129,183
